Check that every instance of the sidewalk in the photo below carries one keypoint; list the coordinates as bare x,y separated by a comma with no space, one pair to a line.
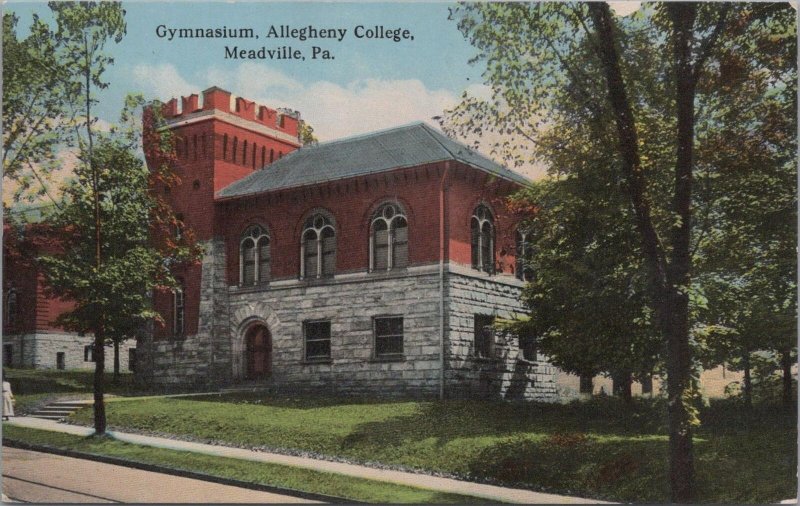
490,492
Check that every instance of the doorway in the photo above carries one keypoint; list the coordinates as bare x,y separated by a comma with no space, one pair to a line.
258,353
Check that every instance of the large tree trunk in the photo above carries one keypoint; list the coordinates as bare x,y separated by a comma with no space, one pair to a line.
747,382
786,366
99,387
668,279
116,362
675,308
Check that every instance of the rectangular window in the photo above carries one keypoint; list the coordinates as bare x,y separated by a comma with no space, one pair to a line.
60,361
318,340
88,353
527,346
484,335
132,359
388,336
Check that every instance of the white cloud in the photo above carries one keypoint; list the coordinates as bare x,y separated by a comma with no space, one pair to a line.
161,81
334,110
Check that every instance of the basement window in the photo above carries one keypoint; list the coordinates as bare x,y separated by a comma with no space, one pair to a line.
388,336
88,353
484,335
317,336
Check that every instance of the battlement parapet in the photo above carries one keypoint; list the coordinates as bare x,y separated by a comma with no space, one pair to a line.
215,98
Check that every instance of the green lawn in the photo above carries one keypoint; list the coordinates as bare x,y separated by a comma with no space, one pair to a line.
600,449
305,480
35,387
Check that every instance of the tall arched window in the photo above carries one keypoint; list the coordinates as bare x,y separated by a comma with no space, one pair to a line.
178,310
388,245
254,256
318,247
482,225
523,268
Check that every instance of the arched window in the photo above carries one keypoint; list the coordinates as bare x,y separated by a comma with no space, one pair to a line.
225,146
11,308
317,247
388,245
235,147
178,310
482,225
254,256
523,268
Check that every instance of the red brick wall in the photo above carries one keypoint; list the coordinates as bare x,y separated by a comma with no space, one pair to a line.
23,278
352,202
36,309
467,189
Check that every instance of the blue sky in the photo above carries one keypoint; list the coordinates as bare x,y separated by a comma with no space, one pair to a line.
370,84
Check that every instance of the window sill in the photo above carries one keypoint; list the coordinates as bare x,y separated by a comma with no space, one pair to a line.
315,361
252,288
478,358
389,358
317,281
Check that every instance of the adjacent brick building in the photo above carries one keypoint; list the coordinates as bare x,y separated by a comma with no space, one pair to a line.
374,264
31,338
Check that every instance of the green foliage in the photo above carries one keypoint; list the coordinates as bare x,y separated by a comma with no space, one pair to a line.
585,255
306,134
130,268
545,74
35,116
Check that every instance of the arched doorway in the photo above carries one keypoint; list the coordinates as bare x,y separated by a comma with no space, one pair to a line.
258,353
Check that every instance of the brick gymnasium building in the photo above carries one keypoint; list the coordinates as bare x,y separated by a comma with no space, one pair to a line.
369,265
374,264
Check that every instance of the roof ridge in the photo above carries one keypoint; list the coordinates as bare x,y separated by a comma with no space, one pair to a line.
367,135
428,129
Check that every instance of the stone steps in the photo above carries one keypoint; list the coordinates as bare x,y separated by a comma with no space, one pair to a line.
58,410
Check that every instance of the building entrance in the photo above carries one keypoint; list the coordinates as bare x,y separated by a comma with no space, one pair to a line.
258,352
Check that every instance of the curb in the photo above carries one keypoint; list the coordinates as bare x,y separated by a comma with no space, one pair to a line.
313,496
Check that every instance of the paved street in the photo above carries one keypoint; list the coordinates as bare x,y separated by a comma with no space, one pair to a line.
41,477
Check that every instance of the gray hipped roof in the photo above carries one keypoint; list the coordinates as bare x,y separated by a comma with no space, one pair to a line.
405,146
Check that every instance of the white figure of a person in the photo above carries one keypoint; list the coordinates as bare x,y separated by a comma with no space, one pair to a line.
8,401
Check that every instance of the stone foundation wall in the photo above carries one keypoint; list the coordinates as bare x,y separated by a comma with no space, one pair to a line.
349,302
505,374
201,359
40,351
215,356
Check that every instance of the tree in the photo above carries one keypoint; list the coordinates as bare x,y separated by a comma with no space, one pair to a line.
553,67
112,299
583,256
34,112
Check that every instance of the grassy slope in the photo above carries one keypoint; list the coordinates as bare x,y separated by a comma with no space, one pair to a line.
600,449
32,388
269,474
